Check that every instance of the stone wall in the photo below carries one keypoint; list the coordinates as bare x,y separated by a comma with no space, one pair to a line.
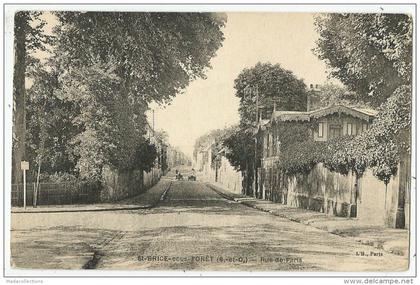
228,177
118,185
367,199
151,178
320,190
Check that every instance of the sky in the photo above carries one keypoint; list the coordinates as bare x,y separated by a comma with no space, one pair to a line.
208,104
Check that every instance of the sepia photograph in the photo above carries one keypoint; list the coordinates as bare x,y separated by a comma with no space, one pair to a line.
209,140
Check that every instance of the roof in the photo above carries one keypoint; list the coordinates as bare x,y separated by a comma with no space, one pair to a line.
364,114
361,113
291,116
370,112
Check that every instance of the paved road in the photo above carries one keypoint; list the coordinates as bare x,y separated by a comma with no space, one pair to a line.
193,228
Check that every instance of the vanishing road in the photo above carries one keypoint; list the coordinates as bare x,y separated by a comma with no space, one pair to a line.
191,228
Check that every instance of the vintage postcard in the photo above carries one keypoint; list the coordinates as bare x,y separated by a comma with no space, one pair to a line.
146,139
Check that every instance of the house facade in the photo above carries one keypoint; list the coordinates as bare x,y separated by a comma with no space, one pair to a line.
364,198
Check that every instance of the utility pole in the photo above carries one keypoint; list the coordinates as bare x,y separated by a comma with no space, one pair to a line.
257,103
256,143
153,121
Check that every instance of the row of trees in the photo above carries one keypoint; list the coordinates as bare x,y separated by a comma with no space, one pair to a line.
371,55
86,106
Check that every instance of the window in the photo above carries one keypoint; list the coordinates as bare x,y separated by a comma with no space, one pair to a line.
335,131
321,130
364,127
349,129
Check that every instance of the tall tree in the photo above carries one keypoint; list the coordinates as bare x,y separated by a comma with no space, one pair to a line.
370,53
331,94
273,84
28,37
155,54
240,148
262,86
115,63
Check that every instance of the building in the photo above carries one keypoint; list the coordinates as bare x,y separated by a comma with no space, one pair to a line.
176,157
218,171
365,198
203,160
226,175
161,164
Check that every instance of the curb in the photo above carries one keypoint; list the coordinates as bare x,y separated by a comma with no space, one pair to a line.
127,208
373,243
227,197
163,196
83,210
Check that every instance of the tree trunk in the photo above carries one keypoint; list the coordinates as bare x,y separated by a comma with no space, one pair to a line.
19,126
403,186
36,188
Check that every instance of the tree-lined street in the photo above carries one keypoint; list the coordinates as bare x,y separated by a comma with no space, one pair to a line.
310,117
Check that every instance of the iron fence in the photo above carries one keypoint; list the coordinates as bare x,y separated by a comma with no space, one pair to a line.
56,193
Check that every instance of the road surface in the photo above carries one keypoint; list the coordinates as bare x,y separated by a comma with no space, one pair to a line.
192,228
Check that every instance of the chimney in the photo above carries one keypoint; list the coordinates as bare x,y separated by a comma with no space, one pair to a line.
311,97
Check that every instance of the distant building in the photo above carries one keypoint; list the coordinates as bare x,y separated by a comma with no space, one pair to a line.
176,157
203,159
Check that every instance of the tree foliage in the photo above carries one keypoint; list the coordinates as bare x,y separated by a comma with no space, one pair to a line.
107,67
113,68
155,54
274,84
370,53
389,137
50,126
145,156
331,94
240,147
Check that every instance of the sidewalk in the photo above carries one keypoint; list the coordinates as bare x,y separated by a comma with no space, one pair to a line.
395,241
146,200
